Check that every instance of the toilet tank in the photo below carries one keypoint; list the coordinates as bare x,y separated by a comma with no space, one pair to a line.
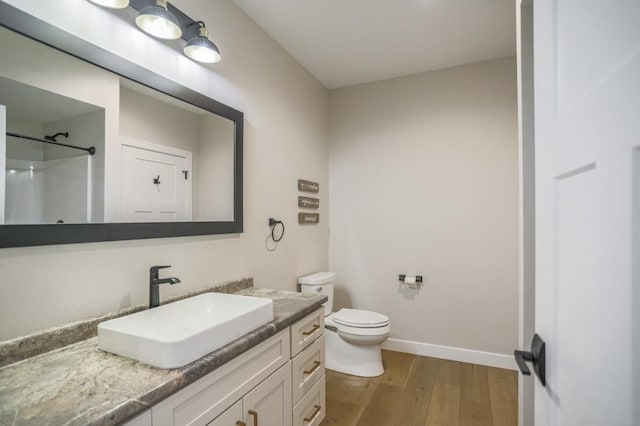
319,283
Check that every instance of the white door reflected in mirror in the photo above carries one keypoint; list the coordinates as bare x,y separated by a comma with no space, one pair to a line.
154,183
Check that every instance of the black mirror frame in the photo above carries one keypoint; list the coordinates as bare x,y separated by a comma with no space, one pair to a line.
37,235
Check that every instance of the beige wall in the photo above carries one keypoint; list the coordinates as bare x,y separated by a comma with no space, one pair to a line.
145,118
215,165
285,139
424,180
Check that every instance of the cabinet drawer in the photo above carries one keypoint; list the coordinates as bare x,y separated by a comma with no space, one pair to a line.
205,399
308,367
306,331
311,409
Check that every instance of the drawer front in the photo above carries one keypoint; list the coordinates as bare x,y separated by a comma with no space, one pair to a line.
308,367
305,331
207,398
311,409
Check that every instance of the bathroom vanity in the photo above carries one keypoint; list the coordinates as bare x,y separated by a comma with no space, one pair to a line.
273,375
283,375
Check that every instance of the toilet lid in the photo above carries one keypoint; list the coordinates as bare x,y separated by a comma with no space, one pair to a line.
360,318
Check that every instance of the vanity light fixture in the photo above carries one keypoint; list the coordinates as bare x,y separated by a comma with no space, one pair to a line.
200,48
112,4
158,21
155,18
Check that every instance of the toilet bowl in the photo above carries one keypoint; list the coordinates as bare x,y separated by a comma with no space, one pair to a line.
353,336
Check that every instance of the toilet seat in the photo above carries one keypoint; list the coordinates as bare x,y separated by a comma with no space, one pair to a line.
359,318
359,330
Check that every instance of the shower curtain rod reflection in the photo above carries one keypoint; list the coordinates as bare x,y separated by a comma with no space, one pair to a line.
91,150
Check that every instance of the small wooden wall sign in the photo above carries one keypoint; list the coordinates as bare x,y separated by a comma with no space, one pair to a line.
308,186
308,202
308,218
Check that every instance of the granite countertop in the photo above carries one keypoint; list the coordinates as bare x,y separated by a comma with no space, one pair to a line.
80,385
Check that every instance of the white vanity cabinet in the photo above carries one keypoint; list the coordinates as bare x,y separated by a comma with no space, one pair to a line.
204,400
279,382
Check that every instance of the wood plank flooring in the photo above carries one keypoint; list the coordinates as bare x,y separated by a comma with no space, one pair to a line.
417,390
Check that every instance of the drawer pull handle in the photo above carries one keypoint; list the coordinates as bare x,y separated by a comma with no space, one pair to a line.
316,364
313,330
255,417
316,410
240,423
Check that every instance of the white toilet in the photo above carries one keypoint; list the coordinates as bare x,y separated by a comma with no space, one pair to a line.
353,336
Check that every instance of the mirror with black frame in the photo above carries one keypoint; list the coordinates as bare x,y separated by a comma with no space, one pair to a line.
91,155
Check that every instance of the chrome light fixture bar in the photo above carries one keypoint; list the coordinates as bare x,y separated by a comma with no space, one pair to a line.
200,48
159,22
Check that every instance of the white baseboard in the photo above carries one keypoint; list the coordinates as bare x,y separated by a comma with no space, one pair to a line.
454,354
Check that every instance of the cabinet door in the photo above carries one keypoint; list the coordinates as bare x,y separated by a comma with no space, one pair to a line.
269,403
231,417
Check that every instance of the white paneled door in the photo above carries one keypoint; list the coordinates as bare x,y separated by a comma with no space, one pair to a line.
587,214
156,183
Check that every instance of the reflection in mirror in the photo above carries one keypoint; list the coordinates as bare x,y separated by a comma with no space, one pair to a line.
177,159
157,158
44,182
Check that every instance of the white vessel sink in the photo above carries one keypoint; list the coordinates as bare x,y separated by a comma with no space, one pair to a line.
178,333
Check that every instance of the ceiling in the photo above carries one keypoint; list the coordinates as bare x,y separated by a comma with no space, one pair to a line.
37,105
348,42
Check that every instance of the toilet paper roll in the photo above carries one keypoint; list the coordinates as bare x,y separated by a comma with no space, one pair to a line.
410,282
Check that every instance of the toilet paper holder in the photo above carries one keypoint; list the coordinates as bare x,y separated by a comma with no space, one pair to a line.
403,278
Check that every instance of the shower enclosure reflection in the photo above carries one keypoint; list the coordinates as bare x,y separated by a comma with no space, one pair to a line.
46,182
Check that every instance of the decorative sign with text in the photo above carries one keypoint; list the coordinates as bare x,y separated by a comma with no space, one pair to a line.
308,186
308,202
310,218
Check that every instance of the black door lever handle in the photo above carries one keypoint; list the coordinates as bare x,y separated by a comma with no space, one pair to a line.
537,357
521,358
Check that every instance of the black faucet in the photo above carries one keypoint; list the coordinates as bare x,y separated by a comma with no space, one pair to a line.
154,284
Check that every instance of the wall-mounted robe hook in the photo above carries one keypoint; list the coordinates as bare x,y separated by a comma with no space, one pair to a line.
156,180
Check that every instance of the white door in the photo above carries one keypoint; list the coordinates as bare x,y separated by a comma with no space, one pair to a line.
587,214
156,183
